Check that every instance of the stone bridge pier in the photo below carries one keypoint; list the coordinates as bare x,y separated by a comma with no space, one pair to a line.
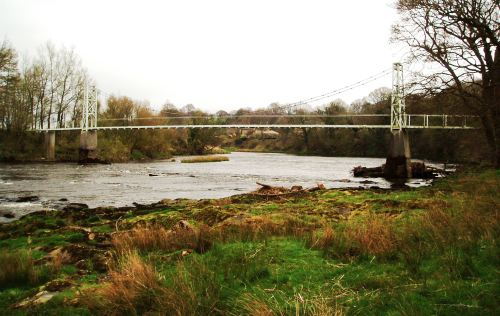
398,162
88,147
50,145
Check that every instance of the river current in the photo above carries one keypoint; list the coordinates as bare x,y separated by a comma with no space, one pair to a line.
125,183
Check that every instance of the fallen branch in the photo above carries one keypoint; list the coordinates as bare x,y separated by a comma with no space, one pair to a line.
265,186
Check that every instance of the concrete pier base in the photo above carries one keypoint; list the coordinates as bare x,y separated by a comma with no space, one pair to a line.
398,162
50,145
88,147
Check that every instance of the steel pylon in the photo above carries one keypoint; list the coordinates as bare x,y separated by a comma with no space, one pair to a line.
89,119
398,113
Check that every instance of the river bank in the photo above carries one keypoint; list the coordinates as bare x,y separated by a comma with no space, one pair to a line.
122,184
340,251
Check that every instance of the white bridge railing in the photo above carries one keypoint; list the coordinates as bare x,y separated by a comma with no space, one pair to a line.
412,121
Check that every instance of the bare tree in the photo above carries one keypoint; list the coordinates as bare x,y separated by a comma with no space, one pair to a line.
460,40
67,81
379,95
53,86
39,78
12,114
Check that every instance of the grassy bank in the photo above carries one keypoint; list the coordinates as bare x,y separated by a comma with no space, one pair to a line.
330,252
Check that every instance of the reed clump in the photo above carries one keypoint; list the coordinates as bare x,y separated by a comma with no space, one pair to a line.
17,267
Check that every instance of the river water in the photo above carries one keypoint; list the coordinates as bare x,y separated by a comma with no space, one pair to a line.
124,183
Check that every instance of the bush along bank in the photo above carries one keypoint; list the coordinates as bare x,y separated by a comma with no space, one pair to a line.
430,250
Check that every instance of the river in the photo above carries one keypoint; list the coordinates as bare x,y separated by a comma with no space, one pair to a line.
124,183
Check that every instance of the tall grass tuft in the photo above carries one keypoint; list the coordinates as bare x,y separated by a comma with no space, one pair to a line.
374,236
17,268
133,288
261,304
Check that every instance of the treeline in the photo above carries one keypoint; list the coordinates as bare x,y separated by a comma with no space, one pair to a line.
435,144
43,92
439,145
48,90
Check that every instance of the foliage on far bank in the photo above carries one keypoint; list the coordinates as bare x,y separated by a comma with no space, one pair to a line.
422,251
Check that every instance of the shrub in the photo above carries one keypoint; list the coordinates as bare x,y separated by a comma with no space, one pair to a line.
194,289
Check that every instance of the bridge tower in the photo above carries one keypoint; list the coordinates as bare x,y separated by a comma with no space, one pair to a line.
398,162
88,135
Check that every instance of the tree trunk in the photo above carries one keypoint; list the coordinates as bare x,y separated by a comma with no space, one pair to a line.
491,119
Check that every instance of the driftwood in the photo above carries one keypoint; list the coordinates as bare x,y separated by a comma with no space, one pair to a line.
265,186
267,190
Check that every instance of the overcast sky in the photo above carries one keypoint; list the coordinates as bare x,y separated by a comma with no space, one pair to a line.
218,54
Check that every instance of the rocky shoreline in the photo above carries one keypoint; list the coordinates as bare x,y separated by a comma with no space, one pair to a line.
418,169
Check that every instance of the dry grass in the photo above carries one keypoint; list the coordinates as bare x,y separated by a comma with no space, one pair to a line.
260,228
255,306
58,259
374,236
299,304
156,237
454,232
326,240
205,159
185,236
460,228
133,288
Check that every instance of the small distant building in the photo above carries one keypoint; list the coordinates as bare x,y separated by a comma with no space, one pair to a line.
268,134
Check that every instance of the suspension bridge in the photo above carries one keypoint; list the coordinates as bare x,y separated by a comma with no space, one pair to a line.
398,121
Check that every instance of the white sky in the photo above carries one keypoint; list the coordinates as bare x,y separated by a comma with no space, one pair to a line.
218,54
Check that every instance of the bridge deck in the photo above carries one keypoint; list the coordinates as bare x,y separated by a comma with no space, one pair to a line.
267,126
